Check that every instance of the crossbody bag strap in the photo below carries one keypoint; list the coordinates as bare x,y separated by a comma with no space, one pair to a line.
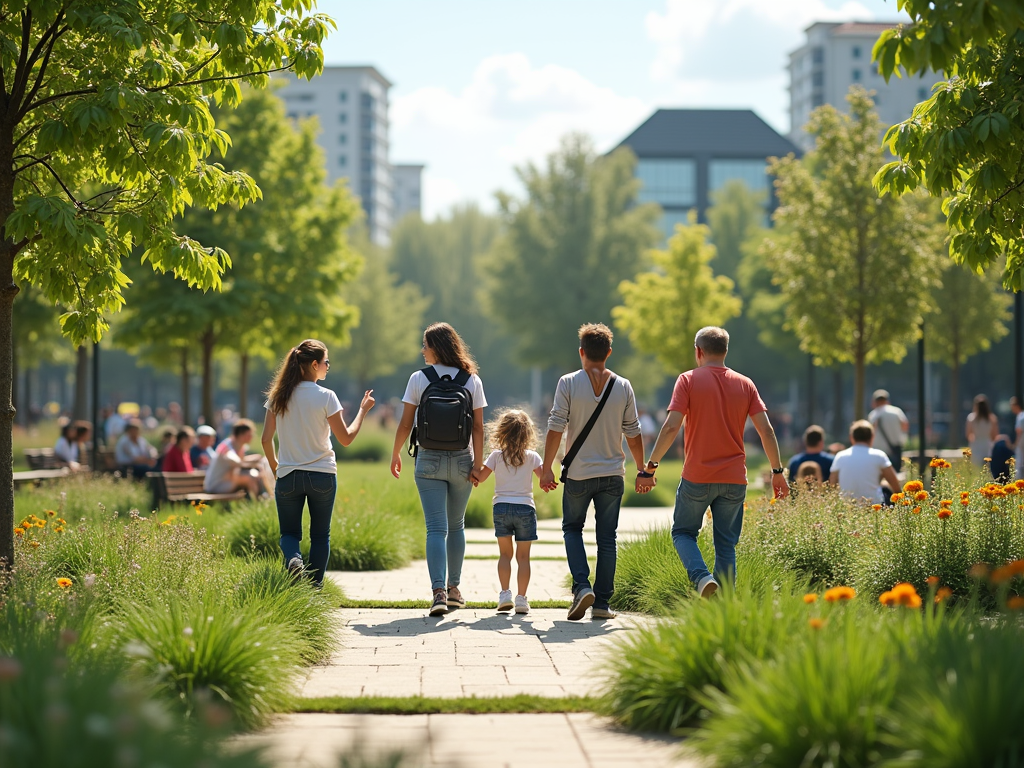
581,438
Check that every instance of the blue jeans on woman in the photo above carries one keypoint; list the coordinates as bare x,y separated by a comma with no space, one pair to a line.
442,478
726,502
606,493
292,493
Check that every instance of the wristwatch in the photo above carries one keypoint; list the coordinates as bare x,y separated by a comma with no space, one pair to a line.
651,466
778,471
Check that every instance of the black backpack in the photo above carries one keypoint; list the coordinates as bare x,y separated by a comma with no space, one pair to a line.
444,419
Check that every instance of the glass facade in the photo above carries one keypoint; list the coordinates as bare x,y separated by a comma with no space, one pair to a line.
753,172
668,182
669,219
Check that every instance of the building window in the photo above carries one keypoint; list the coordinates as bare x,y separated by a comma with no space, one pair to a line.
343,97
292,116
669,219
818,79
818,55
667,182
856,75
299,97
342,161
856,51
342,138
343,118
751,172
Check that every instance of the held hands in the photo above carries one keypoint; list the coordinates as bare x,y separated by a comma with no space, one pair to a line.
547,480
645,484
368,403
474,476
396,464
780,488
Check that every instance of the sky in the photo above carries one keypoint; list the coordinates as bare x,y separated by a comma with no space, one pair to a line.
482,87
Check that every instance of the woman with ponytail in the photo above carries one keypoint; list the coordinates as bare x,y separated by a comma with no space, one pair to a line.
303,415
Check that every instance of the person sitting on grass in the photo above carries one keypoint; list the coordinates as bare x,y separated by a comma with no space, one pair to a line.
814,451
232,469
514,463
860,469
808,476
178,457
134,455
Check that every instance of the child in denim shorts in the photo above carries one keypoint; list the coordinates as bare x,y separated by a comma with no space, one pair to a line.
513,462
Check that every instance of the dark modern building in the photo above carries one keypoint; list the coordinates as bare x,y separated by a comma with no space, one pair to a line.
684,155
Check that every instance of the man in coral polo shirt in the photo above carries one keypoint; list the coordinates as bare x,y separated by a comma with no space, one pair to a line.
714,401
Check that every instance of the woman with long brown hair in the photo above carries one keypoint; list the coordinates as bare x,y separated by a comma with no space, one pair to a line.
449,455
303,415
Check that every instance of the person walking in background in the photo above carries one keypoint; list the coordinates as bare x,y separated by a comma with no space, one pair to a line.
715,402
814,444
514,462
1018,434
178,457
594,408
981,431
891,427
860,469
446,401
303,415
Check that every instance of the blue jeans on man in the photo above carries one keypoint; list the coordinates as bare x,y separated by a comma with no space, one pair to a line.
294,491
726,502
606,494
442,478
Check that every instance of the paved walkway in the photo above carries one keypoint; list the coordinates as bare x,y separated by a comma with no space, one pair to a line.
392,652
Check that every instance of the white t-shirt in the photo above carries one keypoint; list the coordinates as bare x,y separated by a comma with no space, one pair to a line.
304,436
217,476
860,472
513,485
888,421
419,381
1019,452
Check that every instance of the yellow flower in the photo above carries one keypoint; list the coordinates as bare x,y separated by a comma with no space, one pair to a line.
41,524
200,507
967,453
63,583
50,513
839,594
34,544
58,529
1010,489
61,521
816,623
810,598
19,531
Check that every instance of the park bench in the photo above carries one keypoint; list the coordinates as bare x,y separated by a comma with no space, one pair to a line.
176,487
41,458
36,476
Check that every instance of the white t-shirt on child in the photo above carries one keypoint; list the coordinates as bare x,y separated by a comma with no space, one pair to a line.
513,485
860,472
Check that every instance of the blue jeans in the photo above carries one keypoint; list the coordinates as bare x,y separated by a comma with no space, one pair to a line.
292,493
726,502
606,493
519,520
442,478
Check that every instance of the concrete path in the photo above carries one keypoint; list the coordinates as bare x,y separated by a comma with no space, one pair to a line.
470,652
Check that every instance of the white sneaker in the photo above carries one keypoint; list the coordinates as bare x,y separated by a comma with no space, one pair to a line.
707,587
522,605
505,600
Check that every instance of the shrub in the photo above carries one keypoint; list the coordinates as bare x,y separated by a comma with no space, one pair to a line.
649,576
78,496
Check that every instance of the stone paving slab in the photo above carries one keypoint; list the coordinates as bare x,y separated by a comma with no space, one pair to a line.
389,652
480,741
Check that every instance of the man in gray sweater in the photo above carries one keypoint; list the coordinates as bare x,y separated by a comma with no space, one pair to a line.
598,470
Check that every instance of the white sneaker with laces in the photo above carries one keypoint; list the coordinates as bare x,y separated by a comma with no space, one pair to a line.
505,600
522,604
707,587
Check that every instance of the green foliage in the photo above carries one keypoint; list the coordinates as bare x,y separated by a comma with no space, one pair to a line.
736,217
424,705
854,269
965,142
566,248
662,310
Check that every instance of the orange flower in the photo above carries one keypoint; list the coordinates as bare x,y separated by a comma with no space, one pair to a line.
816,623
1006,572
943,594
932,581
887,598
913,486
946,503
19,531
945,513
1020,485
978,571
810,598
839,594
920,495
876,507
1016,567
1010,489
938,463
897,497
1015,603
967,453
63,583
902,594
916,510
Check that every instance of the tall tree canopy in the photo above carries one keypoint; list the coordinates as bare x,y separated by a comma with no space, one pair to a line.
105,133
855,269
966,142
566,247
663,309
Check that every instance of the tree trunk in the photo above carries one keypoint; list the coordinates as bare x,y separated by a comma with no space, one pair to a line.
208,340
858,388
15,392
954,404
839,429
812,394
8,292
186,404
80,408
243,386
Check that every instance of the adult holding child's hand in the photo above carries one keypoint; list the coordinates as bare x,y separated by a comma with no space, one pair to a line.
443,414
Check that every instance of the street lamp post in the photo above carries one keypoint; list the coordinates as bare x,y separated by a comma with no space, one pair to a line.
95,406
922,459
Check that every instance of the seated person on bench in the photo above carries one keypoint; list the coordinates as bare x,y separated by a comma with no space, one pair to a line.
133,453
178,457
232,469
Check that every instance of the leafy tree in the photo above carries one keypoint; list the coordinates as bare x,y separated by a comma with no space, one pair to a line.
968,313
966,142
105,130
291,253
853,267
735,217
565,249
663,309
390,320
36,338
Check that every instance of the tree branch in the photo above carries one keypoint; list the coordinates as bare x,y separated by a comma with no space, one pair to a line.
26,134
35,161
60,181
201,67
42,70
222,79
20,75
25,242
57,97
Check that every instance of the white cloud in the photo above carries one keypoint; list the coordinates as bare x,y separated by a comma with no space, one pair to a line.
508,113
439,195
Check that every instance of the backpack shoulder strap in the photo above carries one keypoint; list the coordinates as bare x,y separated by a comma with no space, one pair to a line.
462,379
431,374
